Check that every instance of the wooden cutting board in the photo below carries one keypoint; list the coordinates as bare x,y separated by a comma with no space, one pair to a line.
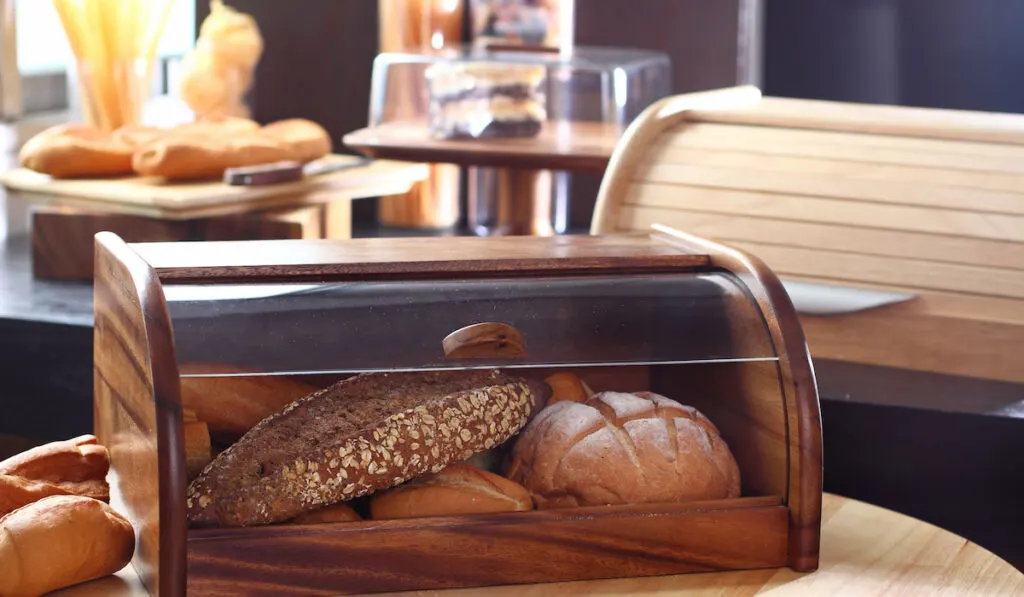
154,197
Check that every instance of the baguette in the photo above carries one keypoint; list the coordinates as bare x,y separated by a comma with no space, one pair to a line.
361,435
305,139
16,492
201,157
458,489
77,465
76,151
232,405
198,451
61,541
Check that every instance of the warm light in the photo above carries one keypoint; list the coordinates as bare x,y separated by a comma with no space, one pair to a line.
437,40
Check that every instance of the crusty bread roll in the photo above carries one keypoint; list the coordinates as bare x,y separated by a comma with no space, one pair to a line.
230,406
198,451
341,512
202,157
305,139
458,489
566,386
619,448
61,541
76,151
77,465
361,435
16,492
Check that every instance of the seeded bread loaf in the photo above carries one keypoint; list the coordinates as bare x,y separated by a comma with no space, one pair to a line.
361,435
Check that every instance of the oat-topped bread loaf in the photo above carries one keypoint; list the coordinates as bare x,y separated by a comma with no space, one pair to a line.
361,435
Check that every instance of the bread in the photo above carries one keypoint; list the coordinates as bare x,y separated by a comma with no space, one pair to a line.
619,448
361,435
336,513
566,386
60,541
306,140
458,489
203,157
230,406
16,492
77,465
76,151
198,451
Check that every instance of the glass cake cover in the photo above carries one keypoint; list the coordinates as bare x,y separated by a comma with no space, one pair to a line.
489,93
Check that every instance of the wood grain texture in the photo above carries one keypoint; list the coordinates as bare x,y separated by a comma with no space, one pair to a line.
866,551
409,257
851,195
575,146
138,411
152,197
518,548
62,238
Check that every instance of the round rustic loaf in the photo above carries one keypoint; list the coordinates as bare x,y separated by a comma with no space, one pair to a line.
619,448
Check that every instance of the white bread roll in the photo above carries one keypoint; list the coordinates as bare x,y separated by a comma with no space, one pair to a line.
619,448
61,541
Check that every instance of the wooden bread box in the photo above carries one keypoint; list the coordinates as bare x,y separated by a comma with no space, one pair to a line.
898,232
660,311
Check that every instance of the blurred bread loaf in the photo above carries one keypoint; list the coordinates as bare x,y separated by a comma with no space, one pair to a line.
458,489
61,541
230,406
619,448
306,140
76,151
78,466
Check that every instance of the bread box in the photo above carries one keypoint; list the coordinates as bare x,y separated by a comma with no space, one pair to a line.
660,311
903,227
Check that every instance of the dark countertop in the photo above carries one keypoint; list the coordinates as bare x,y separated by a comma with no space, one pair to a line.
23,298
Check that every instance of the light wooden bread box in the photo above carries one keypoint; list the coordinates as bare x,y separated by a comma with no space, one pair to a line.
662,311
898,232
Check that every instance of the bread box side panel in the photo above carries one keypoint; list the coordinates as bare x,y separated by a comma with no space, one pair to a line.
137,411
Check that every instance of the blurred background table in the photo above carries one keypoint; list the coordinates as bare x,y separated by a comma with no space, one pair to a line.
865,551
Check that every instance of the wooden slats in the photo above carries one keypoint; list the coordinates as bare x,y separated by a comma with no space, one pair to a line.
809,208
836,235
1002,191
823,184
857,147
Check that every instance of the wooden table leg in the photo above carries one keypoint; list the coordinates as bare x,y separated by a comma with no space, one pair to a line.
510,201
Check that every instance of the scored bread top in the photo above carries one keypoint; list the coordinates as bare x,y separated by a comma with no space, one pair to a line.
619,448
361,435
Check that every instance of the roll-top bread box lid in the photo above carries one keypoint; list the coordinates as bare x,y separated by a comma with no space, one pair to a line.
414,414
898,231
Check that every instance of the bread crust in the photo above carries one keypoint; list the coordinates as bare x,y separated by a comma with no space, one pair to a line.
619,448
16,492
76,151
78,466
335,513
361,435
306,140
458,489
60,541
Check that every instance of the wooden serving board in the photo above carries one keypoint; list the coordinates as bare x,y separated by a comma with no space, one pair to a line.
153,197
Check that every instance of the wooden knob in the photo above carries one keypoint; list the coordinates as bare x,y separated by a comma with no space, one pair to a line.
483,340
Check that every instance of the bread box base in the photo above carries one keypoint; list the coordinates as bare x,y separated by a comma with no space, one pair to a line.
665,313
497,549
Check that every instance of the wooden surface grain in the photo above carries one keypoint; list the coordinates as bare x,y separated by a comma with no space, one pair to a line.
408,257
150,196
576,146
865,551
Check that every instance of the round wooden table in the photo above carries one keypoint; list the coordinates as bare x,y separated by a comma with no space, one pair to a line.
865,550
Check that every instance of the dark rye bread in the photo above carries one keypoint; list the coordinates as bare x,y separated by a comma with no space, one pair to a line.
361,435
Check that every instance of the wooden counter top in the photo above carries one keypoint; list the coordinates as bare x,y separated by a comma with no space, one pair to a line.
865,551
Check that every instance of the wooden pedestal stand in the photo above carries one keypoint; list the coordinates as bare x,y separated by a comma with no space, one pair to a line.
525,164
66,214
